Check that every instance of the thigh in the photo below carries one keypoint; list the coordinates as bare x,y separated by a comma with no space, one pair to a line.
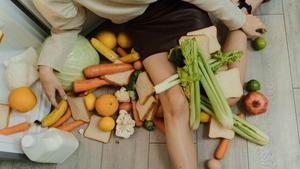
158,67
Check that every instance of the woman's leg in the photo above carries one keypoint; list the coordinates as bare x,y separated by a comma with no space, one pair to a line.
237,40
176,114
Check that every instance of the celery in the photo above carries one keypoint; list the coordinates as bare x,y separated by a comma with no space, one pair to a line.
166,84
190,78
240,126
193,68
219,59
214,92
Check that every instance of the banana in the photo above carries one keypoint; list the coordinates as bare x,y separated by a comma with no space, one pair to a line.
105,51
56,114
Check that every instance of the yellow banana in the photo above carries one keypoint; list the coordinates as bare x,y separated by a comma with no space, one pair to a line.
56,114
131,57
105,51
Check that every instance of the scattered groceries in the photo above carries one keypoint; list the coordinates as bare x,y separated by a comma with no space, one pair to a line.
135,101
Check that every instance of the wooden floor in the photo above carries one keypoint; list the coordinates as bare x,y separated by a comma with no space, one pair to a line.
277,67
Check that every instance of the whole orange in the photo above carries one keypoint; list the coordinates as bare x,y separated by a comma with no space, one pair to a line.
22,99
106,105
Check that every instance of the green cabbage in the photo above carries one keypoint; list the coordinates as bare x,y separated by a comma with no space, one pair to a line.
82,56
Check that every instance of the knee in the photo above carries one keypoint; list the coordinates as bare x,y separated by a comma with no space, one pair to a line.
178,104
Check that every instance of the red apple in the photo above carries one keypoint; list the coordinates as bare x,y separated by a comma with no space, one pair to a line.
256,103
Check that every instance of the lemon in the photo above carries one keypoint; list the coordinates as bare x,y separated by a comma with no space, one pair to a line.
106,124
124,41
108,38
259,43
204,117
90,101
22,99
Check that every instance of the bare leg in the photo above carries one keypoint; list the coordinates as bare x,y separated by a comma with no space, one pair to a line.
237,40
176,114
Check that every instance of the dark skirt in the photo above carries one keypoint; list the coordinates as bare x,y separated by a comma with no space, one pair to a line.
159,28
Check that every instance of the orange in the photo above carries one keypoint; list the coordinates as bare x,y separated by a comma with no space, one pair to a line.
106,105
108,38
124,41
22,99
106,124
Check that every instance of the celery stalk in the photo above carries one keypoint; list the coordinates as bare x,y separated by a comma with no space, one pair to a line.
190,77
240,126
214,93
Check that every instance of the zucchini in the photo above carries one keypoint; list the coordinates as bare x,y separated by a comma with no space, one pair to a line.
132,83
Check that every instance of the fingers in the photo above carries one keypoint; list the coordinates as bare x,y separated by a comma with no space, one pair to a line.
254,27
256,34
51,95
61,92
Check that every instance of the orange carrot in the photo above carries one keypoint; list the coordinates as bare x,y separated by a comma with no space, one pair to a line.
63,119
104,69
71,126
138,121
159,123
221,149
242,115
125,106
85,85
138,65
223,145
121,52
16,128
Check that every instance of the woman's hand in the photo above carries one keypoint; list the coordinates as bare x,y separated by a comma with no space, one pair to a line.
253,26
51,84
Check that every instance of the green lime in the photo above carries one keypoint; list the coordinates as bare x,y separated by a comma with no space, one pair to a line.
259,43
253,85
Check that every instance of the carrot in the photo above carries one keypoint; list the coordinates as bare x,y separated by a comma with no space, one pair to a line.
138,65
125,106
221,149
138,121
85,85
121,52
242,115
223,145
104,69
159,123
63,119
16,128
71,126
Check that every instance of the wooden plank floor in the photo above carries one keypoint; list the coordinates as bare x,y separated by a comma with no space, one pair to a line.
277,69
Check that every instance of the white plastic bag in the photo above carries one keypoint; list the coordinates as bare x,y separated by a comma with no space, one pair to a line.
21,70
